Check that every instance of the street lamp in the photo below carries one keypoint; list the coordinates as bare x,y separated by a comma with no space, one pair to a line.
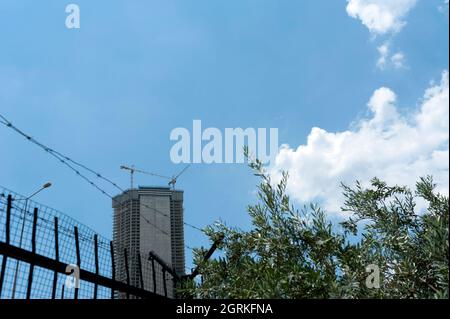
46,185
24,210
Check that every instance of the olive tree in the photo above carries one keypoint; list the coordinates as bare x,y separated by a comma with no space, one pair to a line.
386,249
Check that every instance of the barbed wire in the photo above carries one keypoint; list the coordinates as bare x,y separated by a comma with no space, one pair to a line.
50,150
65,160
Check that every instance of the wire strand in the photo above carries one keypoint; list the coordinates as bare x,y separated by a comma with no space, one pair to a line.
65,160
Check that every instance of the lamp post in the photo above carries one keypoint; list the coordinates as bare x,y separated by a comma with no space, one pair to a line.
24,210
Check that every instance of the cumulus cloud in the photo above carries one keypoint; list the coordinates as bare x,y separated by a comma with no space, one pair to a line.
383,50
398,60
380,16
385,60
396,147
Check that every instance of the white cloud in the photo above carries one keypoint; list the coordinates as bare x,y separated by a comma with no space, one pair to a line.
398,60
383,50
394,147
380,16
385,60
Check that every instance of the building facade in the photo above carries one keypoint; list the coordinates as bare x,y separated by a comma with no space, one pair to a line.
148,219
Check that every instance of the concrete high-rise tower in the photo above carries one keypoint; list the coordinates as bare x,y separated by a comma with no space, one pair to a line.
149,219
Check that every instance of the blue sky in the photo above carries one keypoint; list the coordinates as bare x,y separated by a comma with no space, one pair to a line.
110,92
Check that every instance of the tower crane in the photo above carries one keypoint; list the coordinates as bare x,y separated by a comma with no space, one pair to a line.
172,180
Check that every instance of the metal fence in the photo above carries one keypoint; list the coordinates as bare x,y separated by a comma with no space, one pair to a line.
38,243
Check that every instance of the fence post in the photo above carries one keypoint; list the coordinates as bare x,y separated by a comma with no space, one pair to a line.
113,267
164,282
7,229
96,263
55,274
8,218
140,270
126,270
77,247
153,274
33,250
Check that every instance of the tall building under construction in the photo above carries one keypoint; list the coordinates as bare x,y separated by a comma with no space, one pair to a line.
148,219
